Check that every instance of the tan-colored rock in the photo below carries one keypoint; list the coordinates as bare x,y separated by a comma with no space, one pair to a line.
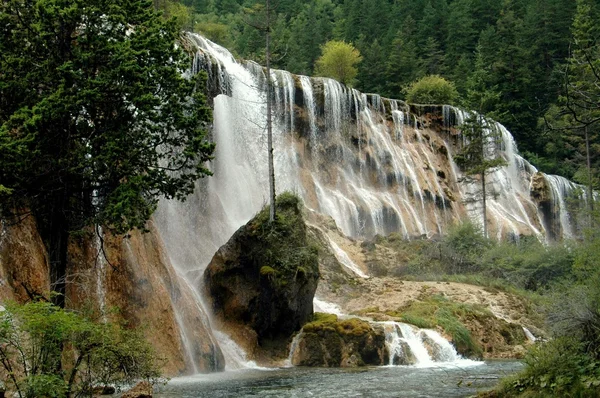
132,275
142,389
23,264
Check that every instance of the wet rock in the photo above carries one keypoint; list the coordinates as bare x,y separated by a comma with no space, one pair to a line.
141,390
348,343
103,390
433,348
406,357
266,275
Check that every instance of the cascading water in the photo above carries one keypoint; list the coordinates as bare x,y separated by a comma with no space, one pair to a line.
373,166
409,345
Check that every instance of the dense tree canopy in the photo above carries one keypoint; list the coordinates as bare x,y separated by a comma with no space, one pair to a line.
96,120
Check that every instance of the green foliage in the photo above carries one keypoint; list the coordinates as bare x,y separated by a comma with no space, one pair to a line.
46,351
338,60
281,249
557,368
96,120
432,89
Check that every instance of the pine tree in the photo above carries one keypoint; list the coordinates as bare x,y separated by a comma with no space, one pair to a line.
96,120
478,156
581,99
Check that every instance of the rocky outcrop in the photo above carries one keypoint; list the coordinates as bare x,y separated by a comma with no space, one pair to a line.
265,277
126,279
330,342
135,276
23,263
141,390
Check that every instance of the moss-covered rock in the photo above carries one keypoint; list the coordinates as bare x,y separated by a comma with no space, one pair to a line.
330,342
266,275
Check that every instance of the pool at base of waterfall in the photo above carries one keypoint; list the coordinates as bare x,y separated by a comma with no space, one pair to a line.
445,380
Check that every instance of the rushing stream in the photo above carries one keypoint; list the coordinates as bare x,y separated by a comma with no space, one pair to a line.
389,381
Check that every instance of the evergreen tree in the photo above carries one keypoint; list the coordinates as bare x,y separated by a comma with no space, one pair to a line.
581,99
478,156
96,120
403,66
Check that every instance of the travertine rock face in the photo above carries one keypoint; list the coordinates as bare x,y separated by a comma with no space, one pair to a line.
23,263
131,276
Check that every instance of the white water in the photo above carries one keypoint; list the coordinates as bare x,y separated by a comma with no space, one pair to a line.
373,173
345,260
529,335
326,307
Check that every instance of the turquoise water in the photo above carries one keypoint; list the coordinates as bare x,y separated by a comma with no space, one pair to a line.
381,382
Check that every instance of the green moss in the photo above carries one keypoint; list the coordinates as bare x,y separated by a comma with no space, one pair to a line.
353,327
267,271
281,249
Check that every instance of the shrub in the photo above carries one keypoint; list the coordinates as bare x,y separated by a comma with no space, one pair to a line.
432,89
47,351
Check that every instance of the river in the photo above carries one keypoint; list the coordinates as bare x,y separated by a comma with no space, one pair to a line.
381,382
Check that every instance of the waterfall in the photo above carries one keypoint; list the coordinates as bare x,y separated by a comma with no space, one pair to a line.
375,165
345,260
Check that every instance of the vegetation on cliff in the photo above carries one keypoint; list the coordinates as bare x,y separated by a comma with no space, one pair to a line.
46,351
282,249
96,120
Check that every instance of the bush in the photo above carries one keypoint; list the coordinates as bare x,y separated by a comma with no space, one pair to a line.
47,351
558,368
432,89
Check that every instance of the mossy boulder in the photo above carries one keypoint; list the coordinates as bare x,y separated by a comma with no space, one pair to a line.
265,277
330,342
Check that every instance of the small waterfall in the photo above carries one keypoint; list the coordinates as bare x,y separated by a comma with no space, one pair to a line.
409,345
343,258
325,307
309,105
235,356
561,188
293,347
530,337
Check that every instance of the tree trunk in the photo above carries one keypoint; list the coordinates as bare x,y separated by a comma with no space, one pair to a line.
269,121
590,193
485,233
56,236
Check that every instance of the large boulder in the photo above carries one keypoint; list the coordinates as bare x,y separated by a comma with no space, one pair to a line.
265,277
330,342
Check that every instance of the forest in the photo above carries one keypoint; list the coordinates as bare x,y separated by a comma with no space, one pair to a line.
526,50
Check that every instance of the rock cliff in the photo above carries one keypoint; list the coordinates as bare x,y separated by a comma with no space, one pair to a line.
130,275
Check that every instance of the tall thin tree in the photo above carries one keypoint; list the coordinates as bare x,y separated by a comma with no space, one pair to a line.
269,115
